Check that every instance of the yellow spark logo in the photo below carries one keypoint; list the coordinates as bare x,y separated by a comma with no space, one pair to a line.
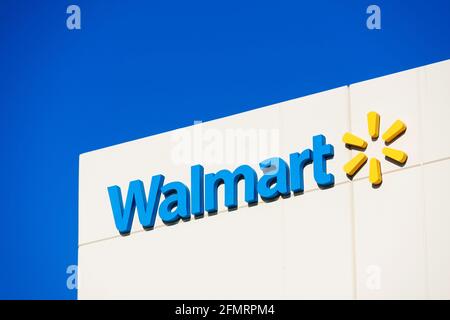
352,141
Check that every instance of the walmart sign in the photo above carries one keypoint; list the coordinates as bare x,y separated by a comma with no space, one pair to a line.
279,178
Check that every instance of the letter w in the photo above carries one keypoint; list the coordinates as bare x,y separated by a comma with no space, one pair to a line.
123,217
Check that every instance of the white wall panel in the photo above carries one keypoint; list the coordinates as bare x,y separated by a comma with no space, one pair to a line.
390,239
318,244
435,110
437,210
235,255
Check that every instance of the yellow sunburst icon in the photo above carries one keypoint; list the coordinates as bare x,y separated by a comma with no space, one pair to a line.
355,142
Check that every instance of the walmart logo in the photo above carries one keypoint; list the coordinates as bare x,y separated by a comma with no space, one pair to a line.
279,177
391,134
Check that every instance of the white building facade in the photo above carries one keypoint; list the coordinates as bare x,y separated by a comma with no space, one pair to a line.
351,240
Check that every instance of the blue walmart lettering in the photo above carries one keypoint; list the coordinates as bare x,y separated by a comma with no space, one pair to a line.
279,179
